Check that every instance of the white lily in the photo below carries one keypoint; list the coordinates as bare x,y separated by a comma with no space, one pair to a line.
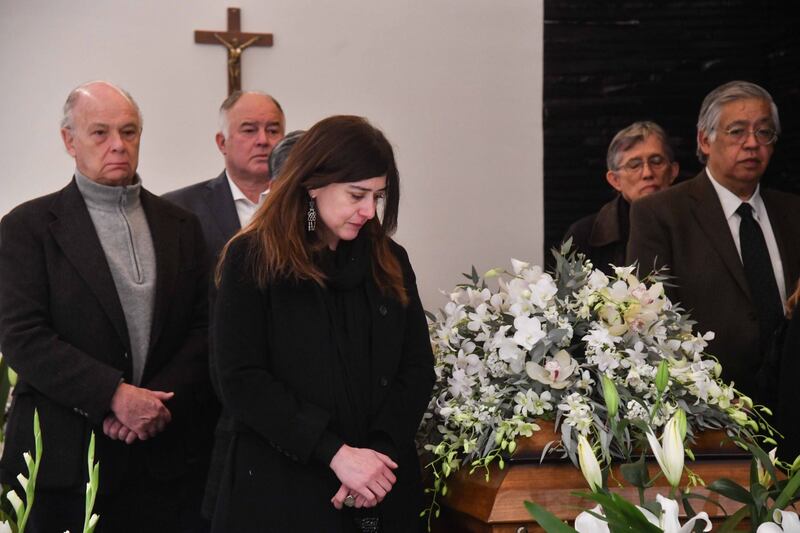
670,456
789,523
586,522
5,527
589,465
668,521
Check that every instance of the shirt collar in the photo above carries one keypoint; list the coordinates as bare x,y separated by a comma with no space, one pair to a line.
239,196
730,202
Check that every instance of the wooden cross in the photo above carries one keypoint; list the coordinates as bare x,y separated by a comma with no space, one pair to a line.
235,41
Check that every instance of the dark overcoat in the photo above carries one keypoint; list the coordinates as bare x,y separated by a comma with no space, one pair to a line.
213,204
63,330
684,227
601,236
275,350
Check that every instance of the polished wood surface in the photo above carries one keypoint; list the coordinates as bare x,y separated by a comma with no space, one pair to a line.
475,505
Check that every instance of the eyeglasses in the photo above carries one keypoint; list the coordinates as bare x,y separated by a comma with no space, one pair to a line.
636,165
764,136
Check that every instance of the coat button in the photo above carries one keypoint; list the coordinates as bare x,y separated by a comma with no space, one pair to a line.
384,382
383,310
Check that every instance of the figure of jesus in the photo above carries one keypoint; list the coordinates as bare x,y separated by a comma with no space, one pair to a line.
235,60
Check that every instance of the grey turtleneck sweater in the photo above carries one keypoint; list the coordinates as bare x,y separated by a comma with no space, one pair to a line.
121,225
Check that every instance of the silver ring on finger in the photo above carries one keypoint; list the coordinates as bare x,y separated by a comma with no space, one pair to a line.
349,500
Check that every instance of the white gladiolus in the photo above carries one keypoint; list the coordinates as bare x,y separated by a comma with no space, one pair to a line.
16,502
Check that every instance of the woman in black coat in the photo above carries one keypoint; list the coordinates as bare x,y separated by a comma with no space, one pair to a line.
322,347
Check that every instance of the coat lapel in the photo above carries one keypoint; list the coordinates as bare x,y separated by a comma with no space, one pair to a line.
221,206
165,231
606,229
707,209
74,232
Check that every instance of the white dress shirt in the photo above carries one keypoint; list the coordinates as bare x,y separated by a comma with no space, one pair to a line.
730,203
245,208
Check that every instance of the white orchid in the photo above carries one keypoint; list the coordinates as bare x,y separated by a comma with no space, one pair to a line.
669,453
784,522
764,477
529,331
555,372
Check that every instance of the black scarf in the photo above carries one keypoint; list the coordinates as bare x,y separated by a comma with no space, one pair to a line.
347,270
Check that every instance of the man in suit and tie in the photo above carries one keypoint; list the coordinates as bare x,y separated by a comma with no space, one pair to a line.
731,245
103,316
251,124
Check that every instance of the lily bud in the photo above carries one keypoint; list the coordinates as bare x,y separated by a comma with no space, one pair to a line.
589,465
662,376
610,395
680,416
670,455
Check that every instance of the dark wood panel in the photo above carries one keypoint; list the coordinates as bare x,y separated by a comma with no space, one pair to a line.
607,64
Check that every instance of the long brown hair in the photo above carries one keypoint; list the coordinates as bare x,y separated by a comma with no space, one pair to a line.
794,299
338,149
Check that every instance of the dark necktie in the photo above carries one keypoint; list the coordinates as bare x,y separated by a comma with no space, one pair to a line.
760,275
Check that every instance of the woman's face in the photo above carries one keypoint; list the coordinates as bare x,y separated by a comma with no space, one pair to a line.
344,208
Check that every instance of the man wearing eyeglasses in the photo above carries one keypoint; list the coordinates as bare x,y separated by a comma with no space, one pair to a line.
640,161
731,245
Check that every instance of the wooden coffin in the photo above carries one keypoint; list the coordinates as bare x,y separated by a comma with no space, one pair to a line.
474,505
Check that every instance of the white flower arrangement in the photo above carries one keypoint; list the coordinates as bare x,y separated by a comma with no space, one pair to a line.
538,345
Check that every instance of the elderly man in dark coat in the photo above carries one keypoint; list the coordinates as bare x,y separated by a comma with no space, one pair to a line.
640,161
103,317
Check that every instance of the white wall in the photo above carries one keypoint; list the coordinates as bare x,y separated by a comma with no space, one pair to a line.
454,84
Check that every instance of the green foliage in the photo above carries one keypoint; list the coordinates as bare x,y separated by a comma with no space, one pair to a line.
547,520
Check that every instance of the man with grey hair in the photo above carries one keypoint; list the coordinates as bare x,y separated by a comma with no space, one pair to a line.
251,124
103,317
640,161
730,244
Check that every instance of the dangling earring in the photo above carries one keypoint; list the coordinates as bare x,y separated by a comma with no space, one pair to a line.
312,215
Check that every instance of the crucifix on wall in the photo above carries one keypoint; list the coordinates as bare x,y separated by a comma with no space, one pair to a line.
235,41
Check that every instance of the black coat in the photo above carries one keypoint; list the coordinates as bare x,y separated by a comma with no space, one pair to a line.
275,351
213,204
62,329
602,236
788,408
